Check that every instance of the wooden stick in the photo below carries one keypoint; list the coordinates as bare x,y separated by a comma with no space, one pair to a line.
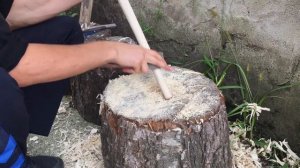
138,32
86,13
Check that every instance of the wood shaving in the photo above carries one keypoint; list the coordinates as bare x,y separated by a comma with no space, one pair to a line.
243,156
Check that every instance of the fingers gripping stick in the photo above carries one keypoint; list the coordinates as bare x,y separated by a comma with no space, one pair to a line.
137,30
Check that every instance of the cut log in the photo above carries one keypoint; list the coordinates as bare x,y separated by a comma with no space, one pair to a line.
139,128
85,90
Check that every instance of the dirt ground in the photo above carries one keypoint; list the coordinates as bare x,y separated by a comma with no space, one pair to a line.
78,142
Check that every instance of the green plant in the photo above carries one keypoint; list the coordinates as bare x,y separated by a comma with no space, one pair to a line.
158,14
159,11
218,69
71,13
147,29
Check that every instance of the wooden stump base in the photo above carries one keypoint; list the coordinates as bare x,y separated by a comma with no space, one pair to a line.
141,129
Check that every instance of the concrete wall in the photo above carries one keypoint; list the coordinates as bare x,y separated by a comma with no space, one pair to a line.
265,36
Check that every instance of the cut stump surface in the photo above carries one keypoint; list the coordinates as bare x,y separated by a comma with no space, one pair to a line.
142,129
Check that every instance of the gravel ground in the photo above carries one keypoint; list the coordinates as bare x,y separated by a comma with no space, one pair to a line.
78,142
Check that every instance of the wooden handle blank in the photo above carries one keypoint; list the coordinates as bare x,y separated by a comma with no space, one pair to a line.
138,32
135,26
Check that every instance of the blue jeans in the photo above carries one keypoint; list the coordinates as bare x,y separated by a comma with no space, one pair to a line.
33,109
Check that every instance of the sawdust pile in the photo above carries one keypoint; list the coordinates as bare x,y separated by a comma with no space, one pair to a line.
243,156
138,96
85,152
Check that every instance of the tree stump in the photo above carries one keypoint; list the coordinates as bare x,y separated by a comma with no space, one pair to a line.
86,88
139,128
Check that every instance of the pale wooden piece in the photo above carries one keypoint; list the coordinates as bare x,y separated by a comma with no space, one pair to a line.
138,32
86,13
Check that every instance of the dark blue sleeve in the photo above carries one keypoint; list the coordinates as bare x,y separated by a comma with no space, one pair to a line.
5,6
12,48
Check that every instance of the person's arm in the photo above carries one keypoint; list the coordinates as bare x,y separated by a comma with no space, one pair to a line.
27,12
45,63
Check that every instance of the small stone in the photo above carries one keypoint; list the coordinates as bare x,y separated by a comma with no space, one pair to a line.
62,109
33,138
94,131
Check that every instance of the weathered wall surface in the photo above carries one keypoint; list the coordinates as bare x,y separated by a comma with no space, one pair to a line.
265,35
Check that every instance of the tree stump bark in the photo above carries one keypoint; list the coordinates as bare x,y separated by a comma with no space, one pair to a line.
86,88
140,129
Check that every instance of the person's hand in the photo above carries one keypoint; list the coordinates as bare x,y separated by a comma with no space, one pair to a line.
135,59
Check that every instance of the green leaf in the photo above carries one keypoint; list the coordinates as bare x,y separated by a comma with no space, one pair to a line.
230,87
267,94
237,110
261,143
285,166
